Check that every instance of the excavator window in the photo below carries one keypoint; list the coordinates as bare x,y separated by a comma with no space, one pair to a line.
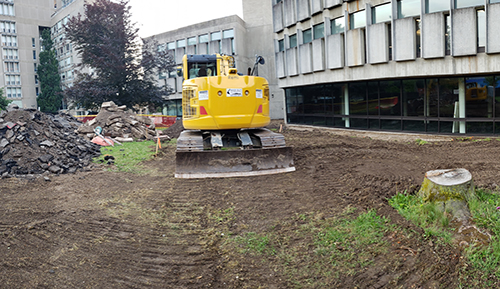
202,69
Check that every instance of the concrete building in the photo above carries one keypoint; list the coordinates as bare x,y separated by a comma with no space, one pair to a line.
244,39
21,23
405,65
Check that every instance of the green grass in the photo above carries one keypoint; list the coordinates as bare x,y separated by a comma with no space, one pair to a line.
425,215
421,142
311,250
482,262
251,242
128,156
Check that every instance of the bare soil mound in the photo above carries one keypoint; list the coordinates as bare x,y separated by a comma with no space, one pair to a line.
100,229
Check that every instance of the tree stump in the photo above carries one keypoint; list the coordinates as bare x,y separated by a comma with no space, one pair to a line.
451,189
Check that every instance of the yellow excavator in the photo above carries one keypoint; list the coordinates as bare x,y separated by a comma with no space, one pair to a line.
224,114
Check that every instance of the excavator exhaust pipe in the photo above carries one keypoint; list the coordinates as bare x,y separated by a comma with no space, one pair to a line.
233,163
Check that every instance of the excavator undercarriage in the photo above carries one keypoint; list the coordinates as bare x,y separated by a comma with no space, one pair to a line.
232,153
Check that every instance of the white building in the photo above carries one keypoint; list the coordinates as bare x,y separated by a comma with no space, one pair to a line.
405,65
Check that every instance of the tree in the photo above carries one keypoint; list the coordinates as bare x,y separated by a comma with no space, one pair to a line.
50,98
4,102
111,68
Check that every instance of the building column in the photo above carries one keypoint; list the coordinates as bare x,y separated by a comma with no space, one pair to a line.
346,106
461,103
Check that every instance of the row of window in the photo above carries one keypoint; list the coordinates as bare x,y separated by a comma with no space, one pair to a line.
13,92
11,66
7,27
13,79
382,13
9,53
66,2
9,40
63,50
59,25
7,9
429,104
67,75
204,38
66,62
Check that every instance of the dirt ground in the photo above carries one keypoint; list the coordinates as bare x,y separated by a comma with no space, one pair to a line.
101,229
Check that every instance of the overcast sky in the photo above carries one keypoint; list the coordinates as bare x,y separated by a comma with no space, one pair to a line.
157,16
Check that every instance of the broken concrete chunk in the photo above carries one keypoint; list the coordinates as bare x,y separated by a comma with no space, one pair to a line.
10,124
47,143
9,134
54,169
12,107
3,143
46,158
107,104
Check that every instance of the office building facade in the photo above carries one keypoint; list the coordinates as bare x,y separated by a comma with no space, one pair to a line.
405,65
21,24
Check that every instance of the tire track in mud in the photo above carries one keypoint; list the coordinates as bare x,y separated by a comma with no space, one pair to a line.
122,244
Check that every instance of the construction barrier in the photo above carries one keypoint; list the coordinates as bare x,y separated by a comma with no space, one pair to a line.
159,120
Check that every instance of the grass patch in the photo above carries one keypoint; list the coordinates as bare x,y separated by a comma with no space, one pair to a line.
127,158
421,142
481,268
313,251
425,215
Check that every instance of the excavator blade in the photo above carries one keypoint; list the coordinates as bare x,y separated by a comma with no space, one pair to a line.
233,163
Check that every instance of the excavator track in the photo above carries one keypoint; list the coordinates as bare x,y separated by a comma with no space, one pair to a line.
267,154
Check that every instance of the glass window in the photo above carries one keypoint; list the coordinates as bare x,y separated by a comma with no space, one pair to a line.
34,54
468,3
228,33
357,19
357,98
389,97
281,45
432,94
448,96
447,35
481,30
432,6
191,41
418,25
479,93
494,1
337,25
408,8
171,45
33,42
307,36
215,36
381,13
413,97
181,43
319,31
373,104
203,38
293,41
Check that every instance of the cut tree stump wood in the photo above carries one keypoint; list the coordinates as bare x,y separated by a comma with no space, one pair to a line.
451,189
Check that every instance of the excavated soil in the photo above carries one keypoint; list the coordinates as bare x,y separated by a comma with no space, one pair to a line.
102,229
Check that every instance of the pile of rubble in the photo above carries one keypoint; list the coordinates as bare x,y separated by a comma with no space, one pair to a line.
118,123
32,142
